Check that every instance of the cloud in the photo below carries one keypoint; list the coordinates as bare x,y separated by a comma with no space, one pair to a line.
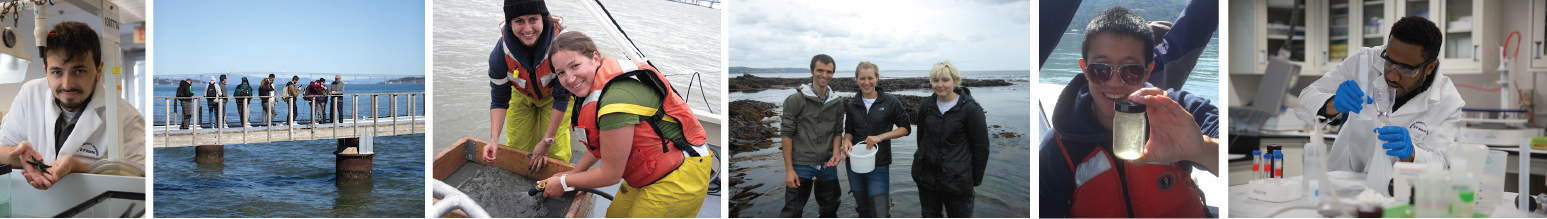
904,35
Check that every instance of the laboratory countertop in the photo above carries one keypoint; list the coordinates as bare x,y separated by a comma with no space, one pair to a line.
1284,134
1515,149
1348,185
72,190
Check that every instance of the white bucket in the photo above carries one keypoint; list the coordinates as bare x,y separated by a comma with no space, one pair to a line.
862,160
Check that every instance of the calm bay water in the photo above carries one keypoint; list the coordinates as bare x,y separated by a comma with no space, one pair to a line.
290,180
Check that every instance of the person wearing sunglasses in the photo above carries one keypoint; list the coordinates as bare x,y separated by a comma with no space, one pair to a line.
1427,107
1081,177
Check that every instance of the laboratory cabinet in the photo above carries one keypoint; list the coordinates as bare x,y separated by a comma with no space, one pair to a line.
1537,46
1330,30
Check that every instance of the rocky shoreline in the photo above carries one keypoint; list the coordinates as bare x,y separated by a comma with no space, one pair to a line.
752,83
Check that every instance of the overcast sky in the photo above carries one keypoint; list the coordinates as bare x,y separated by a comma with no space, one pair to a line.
976,35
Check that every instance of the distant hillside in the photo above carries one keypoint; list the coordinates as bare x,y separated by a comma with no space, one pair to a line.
405,80
1164,10
769,70
164,81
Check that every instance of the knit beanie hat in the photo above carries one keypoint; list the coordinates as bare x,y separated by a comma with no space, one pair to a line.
515,8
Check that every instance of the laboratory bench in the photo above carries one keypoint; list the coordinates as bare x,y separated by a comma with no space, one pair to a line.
1348,185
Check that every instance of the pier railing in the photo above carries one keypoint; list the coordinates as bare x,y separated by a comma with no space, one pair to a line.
325,120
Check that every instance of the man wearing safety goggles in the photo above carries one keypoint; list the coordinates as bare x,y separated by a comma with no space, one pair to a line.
1424,107
1080,176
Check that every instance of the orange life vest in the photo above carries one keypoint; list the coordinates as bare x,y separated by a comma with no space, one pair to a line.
651,157
1110,188
530,82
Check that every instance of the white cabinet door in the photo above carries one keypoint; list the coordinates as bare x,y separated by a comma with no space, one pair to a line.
1276,29
1536,49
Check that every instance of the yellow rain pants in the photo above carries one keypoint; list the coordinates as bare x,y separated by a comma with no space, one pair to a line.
678,195
527,119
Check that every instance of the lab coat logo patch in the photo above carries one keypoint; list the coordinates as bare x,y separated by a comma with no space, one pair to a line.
90,149
1418,131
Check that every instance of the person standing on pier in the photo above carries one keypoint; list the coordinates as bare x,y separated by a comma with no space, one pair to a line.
526,103
292,90
810,136
61,119
243,94
185,89
216,92
265,94
314,92
337,91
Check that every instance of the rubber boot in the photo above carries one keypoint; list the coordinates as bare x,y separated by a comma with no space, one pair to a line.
862,204
795,199
827,194
882,203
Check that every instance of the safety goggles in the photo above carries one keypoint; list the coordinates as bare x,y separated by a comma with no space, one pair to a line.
1404,69
1131,74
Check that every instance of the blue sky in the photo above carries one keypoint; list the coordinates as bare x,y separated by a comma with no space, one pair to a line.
334,36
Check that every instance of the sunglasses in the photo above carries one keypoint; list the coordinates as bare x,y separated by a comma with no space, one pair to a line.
1131,74
1404,69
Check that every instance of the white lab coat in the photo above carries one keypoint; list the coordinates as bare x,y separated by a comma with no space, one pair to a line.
1431,117
33,116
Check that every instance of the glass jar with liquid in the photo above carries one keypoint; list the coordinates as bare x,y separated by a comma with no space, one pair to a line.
1129,130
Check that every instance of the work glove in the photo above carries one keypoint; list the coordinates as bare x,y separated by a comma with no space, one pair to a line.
1350,98
1397,141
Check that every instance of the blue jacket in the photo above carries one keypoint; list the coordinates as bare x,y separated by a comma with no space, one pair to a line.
1179,49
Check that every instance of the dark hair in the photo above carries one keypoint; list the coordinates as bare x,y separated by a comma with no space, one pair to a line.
1119,22
295,78
74,39
822,58
1419,31
244,80
1160,28
573,41
271,75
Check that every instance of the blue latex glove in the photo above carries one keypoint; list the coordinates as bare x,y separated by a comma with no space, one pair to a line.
1397,141
1350,98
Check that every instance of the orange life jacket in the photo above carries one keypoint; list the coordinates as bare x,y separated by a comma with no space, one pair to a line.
530,82
1110,188
651,157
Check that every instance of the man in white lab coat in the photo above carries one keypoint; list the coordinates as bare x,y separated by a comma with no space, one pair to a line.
61,119
1426,110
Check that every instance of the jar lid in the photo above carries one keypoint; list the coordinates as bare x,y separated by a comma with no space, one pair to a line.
1128,106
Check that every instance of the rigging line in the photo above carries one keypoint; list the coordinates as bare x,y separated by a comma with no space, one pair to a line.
648,61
